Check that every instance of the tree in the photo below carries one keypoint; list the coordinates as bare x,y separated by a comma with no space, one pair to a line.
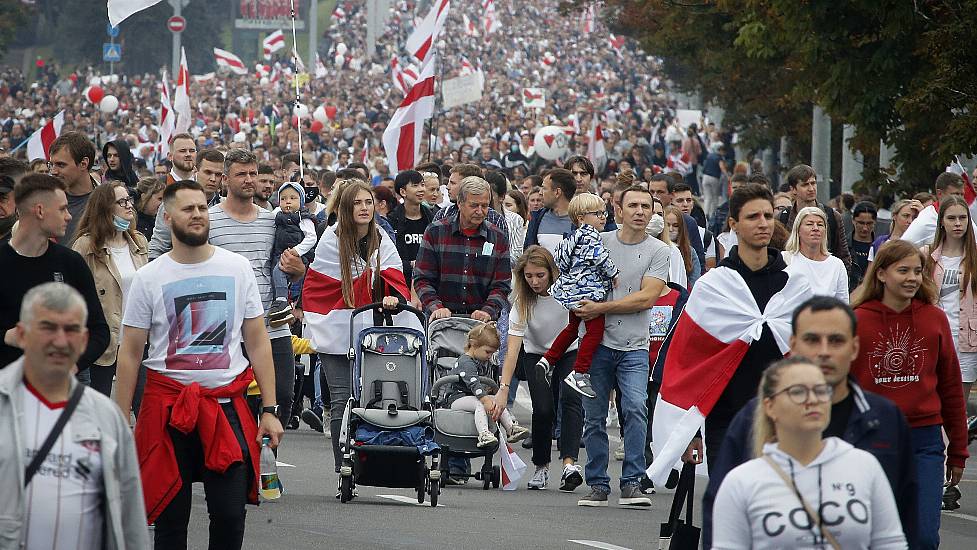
13,15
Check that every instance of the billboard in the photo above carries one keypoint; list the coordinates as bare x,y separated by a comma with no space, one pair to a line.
269,15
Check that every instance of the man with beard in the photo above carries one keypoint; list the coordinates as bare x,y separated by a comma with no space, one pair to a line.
209,175
183,152
266,186
196,305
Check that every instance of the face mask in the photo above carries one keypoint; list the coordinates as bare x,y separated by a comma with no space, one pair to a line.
121,224
311,193
655,226
673,235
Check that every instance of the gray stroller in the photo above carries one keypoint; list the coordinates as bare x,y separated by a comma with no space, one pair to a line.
455,430
387,431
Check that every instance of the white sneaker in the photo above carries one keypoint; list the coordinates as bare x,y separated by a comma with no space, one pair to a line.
517,433
541,478
572,478
486,439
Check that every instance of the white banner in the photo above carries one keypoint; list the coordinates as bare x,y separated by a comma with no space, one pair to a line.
461,90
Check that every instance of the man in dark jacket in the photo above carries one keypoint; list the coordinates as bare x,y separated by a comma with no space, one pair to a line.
118,160
823,329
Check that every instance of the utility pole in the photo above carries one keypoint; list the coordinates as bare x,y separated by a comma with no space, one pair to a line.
313,33
178,6
821,152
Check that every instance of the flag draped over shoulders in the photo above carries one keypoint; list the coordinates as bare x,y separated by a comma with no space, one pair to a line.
714,332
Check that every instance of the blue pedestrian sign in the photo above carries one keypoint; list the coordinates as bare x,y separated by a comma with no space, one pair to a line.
111,53
113,32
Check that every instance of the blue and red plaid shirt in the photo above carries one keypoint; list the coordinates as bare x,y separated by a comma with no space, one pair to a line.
463,273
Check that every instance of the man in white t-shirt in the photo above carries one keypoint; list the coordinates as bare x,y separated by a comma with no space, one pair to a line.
85,492
195,305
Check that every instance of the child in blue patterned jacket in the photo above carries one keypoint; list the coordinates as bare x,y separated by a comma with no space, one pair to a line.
586,273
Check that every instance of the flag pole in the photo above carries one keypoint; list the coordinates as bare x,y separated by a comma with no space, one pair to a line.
433,125
295,79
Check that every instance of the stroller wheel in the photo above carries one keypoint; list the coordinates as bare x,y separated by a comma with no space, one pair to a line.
486,478
496,477
345,489
435,490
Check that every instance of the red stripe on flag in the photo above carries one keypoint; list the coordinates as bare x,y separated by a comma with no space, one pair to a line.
48,135
405,146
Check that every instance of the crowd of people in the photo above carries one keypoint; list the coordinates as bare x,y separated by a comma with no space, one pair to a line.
171,284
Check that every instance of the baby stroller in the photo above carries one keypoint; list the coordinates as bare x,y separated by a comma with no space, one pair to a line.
455,430
387,430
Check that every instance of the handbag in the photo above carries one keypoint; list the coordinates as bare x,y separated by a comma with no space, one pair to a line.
53,435
677,534
825,534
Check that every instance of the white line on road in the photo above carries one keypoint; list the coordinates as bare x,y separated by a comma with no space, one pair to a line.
284,464
967,517
407,500
599,544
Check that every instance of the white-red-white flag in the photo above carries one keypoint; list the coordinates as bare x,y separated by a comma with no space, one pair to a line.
338,14
466,66
512,466
595,142
616,42
420,43
403,78
119,10
714,332
490,19
272,43
167,118
587,19
229,61
181,97
365,155
471,29
39,144
402,138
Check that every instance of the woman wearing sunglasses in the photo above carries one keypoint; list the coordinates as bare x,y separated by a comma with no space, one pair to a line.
113,249
906,353
803,491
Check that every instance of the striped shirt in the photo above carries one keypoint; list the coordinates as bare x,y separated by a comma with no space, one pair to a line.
253,240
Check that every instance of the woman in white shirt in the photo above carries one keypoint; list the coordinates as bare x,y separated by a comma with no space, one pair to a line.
113,249
807,252
803,491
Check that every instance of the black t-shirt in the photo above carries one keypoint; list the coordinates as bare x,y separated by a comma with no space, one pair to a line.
409,236
840,413
859,259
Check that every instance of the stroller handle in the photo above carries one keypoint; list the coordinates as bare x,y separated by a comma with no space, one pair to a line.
491,384
402,306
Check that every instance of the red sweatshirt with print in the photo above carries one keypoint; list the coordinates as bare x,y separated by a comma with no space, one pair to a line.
909,357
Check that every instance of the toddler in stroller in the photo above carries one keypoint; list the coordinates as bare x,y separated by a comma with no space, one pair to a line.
469,394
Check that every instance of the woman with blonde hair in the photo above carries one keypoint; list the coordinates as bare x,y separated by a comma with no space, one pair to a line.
903,214
806,252
786,497
113,250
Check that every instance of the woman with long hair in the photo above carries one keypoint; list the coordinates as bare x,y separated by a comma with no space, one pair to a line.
515,202
952,262
903,214
787,496
679,237
535,320
807,252
906,354
149,197
113,250
357,262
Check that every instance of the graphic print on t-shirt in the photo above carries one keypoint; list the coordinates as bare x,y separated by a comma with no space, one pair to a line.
897,357
661,317
951,282
198,310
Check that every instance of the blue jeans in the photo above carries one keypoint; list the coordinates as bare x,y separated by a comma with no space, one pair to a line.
629,369
930,458
279,281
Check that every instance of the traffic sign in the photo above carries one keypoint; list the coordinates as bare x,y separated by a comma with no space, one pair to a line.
176,24
113,32
111,53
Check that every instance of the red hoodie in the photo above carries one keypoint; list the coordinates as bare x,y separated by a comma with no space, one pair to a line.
909,357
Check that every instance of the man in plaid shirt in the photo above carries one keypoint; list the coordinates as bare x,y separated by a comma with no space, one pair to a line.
463,263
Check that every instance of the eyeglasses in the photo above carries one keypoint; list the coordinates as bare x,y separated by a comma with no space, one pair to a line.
799,393
124,203
602,214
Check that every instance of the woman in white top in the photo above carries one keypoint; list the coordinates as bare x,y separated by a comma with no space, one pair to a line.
676,261
803,491
535,319
807,252
113,249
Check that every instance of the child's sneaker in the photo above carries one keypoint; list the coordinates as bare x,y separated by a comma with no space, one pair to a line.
517,433
540,480
280,313
581,383
572,478
545,369
485,439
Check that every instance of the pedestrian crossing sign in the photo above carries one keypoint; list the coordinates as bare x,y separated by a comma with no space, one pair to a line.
111,53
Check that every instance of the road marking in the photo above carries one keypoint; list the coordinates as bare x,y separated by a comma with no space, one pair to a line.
599,544
284,464
967,517
408,500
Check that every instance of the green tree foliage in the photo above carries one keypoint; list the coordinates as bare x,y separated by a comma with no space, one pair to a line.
898,70
146,42
13,15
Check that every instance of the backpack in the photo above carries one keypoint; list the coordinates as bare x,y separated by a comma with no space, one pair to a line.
829,213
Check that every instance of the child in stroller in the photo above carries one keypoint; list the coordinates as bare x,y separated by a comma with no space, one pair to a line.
471,395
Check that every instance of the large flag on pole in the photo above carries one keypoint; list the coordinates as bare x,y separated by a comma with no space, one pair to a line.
181,97
39,144
420,43
167,119
402,138
230,61
272,43
714,332
119,10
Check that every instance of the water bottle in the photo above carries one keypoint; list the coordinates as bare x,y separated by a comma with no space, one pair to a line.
271,487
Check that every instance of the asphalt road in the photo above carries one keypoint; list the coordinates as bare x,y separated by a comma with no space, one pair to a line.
309,515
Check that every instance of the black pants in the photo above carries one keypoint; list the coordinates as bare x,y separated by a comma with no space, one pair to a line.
226,493
545,397
284,360
716,427
102,377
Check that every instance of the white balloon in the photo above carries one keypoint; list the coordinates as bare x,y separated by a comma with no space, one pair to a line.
109,104
94,81
106,79
320,114
341,48
264,80
551,142
115,79
300,110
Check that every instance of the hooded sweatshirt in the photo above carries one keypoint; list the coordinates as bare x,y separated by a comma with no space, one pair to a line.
124,173
909,357
755,508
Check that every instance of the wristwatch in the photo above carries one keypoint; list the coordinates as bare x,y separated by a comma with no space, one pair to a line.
272,409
